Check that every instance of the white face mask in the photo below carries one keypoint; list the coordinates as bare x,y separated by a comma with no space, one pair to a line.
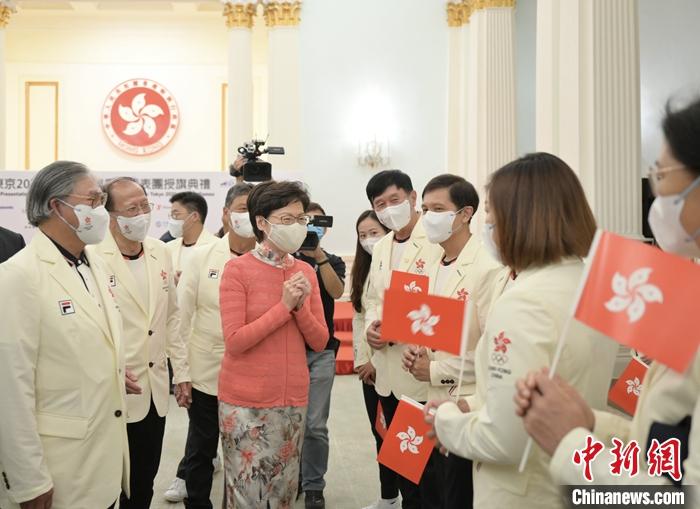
438,225
665,222
92,223
135,228
369,243
396,217
241,225
489,243
287,237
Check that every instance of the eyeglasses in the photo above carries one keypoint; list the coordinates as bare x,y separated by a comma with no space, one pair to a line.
289,219
134,210
656,173
96,199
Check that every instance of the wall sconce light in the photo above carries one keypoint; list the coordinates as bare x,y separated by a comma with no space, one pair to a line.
373,153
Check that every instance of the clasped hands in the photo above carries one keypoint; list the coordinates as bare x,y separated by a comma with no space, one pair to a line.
295,291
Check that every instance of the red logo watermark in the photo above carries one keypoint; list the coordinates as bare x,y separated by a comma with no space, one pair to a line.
140,117
662,458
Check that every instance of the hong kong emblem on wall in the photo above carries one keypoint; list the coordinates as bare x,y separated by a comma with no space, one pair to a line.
140,117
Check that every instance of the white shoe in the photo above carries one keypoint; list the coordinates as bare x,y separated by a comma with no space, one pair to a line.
177,492
384,503
218,463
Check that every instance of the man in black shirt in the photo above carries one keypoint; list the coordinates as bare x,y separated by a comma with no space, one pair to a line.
330,270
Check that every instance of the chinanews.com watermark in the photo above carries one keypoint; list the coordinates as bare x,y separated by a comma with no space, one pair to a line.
662,460
628,496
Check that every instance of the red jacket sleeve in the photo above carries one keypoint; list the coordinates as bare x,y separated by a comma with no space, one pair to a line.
238,335
310,318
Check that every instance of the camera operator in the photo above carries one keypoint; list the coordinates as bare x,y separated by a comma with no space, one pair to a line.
330,270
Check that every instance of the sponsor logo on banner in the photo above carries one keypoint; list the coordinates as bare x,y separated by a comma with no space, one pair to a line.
140,117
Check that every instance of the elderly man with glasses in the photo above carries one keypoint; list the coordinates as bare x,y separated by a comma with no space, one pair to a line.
140,276
63,439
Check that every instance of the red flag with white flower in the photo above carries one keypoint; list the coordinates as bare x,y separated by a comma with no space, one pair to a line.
625,393
643,298
412,283
406,449
422,319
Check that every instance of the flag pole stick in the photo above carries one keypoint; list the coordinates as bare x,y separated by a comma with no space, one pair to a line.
565,331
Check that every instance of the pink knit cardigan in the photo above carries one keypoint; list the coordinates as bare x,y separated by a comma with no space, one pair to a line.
265,361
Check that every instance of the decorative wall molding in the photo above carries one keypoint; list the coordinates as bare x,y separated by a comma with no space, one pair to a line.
239,15
6,11
458,13
282,13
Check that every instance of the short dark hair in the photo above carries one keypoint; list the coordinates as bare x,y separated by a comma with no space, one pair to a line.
236,190
271,195
462,193
107,189
385,179
193,202
540,212
681,129
315,206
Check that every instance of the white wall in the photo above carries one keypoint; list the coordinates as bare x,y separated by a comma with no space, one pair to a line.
669,64
90,54
369,62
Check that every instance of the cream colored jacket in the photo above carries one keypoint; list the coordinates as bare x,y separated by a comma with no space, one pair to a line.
151,330
200,315
63,417
521,335
473,278
417,257
175,247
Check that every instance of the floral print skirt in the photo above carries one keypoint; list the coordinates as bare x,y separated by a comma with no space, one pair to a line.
262,447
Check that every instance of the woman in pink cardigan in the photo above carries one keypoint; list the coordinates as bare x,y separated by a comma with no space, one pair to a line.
270,307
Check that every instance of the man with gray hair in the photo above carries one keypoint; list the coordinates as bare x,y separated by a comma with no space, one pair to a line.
200,328
63,441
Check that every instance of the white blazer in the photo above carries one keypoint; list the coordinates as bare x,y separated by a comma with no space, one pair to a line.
417,257
63,418
151,331
667,397
521,335
175,247
200,314
473,278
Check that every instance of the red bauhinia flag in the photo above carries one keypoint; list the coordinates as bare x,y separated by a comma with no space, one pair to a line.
413,283
422,319
643,298
625,393
380,422
406,449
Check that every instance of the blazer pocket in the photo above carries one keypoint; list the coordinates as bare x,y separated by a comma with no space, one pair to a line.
61,426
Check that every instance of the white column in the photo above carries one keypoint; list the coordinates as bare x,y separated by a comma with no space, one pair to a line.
490,89
6,10
239,20
457,17
284,106
588,110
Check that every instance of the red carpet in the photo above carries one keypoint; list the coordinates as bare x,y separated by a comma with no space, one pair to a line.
343,331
